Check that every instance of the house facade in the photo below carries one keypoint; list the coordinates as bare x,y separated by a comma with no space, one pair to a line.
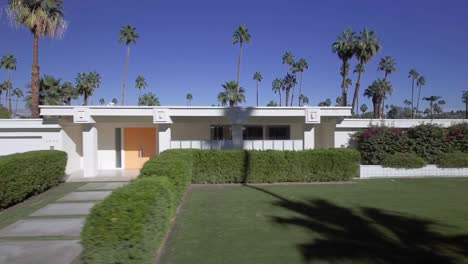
105,138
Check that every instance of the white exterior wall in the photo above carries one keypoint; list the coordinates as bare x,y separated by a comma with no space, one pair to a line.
72,143
106,147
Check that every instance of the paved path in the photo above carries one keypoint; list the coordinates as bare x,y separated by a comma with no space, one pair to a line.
51,234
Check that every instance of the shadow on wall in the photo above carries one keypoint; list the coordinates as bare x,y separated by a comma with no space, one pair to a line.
368,235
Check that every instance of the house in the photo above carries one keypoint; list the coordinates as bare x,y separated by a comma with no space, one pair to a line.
113,138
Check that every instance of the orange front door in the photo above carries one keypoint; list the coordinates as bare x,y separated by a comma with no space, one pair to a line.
140,146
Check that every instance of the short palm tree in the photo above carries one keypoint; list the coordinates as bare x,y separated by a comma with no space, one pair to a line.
289,82
3,88
276,87
140,84
149,99
50,90
8,63
232,94
44,19
18,93
102,101
441,103
407,104
95,82
420,83
128,36
84,86
189,98
68,93
363,109
377,91
414,75
241,36
114,101
344,47
258,78
300,67
431,100
465,101
304,100
367,46
272,103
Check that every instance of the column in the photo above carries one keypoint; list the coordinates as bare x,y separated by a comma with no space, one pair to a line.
164,137
309,136
90,150
237,140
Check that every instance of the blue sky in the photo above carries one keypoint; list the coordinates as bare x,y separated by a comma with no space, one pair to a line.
185,46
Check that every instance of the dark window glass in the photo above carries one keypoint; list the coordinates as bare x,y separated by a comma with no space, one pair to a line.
253,132
278,132
220,133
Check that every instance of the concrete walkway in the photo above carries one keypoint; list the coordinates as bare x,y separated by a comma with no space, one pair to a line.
52,234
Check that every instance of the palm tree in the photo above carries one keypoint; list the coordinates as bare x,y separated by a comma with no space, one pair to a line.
344,47
102,101
189,98
232,94
377,91
414,75
8,63
465,101
408,104
300,66
68,93
114,101
288,59
95,82
83,86
363,109
387,65
149,99
431,100
327,102
240,36
272,103
367,46
43,19
128,36
441,103
3,87
288,83
258,78
359,70
276,87
140,84
419,83
18,93
50,90
339,101
304,100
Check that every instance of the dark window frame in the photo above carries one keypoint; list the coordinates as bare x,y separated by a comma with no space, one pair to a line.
287,135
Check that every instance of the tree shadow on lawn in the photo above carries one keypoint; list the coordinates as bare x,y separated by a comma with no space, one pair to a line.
369,235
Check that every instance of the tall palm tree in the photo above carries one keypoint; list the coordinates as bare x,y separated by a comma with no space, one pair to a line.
241,36
258,78
18,93
358,70
95,82
300,66
189,98
276,87
149,99
420,82
44,19
388,65
465,101
232,94
288,59
140,84
102,101
83,86
8,63
288,84
414,75
367,46
377,91
344,47
68,92
128,36
431,100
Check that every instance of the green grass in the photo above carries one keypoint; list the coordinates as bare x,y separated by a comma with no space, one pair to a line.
371,221
34,203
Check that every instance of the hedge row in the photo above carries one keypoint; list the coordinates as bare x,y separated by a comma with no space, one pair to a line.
130,225
403,161
25,174
427,141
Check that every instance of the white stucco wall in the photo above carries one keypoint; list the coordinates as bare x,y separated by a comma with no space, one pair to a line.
106,147
72,143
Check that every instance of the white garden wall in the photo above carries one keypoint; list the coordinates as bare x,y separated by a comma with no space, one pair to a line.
377,171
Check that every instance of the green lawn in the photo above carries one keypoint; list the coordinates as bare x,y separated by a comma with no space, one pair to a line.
371,221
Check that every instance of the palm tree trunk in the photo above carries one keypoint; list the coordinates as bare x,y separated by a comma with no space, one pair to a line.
257,93
239,66
280,98
466,109
127,60
16,106
356,93
9,91
85,98
412,100
35,78
382,108
292,96
287,97
344,96
419,96
299,103
139,96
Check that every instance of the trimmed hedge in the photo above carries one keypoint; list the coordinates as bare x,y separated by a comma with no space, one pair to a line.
129,225
214,166
453,160
4,113
404,161
303,166
25,174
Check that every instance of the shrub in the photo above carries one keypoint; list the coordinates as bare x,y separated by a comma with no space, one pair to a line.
4,113
453,160
215,166
376,143
303,166
404,161
129,225
457,138
25,174
427,141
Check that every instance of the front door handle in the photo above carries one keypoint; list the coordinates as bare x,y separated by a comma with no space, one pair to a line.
140,152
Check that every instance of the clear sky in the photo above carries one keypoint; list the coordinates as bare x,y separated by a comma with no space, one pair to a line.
186,45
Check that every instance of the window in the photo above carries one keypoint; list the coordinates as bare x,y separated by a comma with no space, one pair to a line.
220,133
278,132
252,132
